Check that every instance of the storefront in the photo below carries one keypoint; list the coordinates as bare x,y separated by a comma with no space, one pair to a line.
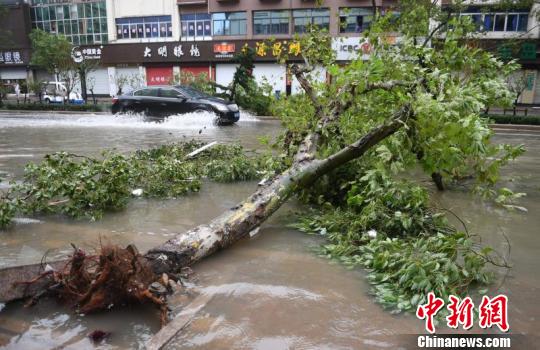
161,62
14,66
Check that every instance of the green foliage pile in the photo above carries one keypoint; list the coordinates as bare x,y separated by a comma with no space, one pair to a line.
200,82
87,187
369,211
388,227
255,98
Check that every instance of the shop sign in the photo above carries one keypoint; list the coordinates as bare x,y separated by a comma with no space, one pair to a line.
203,51
11,57
224,50
348,49
159,75
87,53
178,51
277,48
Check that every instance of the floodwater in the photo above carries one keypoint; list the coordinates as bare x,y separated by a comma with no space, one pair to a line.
267,292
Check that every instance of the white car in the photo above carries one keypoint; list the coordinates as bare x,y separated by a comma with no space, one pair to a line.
55,92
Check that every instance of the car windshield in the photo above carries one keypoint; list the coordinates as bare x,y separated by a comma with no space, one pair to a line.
193,92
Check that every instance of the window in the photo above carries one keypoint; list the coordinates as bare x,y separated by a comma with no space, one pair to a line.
229,23
195,26
512,21
79,23
270,22
303,18
144,27
146,92
170,93
355,20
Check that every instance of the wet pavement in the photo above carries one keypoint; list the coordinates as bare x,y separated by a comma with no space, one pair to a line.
268,292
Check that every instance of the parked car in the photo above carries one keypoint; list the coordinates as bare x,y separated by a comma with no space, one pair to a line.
163,101
56,92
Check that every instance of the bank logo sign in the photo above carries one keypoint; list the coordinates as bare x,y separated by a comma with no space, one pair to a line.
88,53
348,49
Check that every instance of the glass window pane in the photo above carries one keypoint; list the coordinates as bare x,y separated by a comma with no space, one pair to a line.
523,22
488,22
512,23
200,28
80,10
76,27
155,30
73,12
87,10
207,28
46,14
500,23
102,9
52,13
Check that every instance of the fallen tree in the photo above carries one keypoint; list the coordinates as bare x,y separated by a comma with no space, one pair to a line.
418,104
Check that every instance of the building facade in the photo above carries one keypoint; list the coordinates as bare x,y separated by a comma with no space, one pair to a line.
15,26
140,42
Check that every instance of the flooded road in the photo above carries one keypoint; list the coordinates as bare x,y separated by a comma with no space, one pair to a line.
267,292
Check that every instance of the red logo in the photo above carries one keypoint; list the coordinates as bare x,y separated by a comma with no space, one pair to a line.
460,312
492,312
429,310
224,48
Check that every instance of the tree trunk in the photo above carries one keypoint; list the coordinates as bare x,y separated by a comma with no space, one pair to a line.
84,94
190,247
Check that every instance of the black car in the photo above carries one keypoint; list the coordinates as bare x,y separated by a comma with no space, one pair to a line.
161,101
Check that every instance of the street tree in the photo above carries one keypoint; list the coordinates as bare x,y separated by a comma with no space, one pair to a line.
54,54
51,52
417,102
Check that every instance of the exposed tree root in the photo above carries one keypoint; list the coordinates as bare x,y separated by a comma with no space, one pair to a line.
91,283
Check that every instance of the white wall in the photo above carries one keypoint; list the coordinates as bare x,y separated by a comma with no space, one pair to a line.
100,79
142,8
225,73
271,73
536,98
317,76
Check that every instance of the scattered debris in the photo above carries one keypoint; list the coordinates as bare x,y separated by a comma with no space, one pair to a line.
202,149
98,336
372,233
138,192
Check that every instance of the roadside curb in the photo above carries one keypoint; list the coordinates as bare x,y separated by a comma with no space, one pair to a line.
515,126
27,112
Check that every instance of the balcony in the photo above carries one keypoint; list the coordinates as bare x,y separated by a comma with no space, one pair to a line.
191,2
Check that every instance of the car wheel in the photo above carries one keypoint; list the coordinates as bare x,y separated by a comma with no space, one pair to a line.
47,101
